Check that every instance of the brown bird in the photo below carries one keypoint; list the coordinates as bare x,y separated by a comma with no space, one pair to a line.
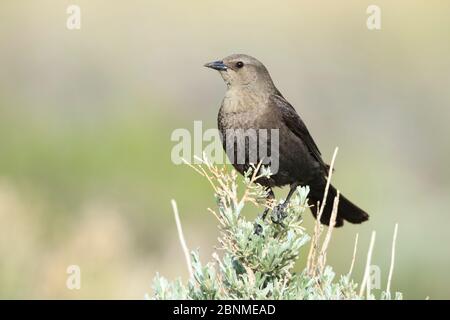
252,104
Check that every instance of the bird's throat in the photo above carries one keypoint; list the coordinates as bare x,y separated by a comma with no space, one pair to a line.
243,99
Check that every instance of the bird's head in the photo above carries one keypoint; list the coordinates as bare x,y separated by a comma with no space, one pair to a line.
240,70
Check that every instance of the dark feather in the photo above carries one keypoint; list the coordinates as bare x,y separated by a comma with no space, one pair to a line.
293,121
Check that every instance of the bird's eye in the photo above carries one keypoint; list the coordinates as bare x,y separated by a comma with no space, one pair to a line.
239,64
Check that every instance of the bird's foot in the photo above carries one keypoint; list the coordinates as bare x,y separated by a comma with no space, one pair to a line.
279,213
258,229
277,216
262,217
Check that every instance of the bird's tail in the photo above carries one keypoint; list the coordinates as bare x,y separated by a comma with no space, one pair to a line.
346,209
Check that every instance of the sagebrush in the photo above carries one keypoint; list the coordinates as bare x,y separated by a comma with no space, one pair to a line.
257,258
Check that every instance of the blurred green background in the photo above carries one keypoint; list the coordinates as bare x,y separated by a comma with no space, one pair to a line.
86,116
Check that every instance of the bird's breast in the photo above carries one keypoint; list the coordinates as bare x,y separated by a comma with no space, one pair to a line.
244,112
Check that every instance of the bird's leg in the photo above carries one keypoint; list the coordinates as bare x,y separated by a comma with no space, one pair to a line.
270,196
279,212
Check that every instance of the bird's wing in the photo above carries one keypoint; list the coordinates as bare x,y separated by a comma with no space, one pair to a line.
298,127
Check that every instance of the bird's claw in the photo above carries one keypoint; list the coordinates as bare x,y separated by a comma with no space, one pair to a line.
278,214
262,217
258,229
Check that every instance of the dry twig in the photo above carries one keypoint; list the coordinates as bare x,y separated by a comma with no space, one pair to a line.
391,269
366,281
181,237
312,260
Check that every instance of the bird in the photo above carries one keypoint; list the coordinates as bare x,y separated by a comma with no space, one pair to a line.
252,102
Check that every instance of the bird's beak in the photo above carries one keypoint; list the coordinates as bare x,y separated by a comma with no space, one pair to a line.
217,65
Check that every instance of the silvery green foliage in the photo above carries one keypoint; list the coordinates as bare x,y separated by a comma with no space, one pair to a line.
257,266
